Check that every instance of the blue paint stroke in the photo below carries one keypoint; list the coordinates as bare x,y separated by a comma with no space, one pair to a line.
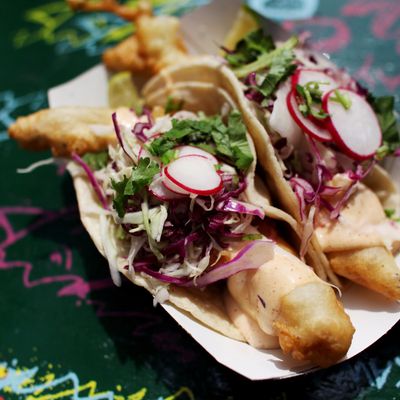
9,104
16,378
285,9
91,33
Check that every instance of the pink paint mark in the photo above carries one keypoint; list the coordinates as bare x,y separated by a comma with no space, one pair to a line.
56,257
68,258
44,218
75,285
390,82
364,73
386,14
288,25
340,37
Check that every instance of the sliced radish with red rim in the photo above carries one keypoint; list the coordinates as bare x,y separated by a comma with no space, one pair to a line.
158,189
318,132
355,130
306,75
193,150
171,186
194,174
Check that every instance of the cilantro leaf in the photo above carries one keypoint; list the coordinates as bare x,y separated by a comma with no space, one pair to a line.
173,105
119,198
238,141
282,67
391,214
384,109
96,161
168,156
266,59
141,176
252,236
341,98
210,133
249,48
310,94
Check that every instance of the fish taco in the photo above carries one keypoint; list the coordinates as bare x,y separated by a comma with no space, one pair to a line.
320,139
175,205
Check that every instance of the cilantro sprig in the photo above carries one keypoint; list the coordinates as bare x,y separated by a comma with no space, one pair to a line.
250,48
341,98
311,99
141,176
281,68
391,214
229,140
96,161
384,110
267,58
173,105
257,52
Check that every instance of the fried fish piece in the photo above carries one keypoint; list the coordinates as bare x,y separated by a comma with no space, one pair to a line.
360,244
287,300
160,41
65,130
312,325
126,12
156,44
125,56
372,267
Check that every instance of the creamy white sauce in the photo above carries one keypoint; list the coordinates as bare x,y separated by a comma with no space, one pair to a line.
362,224
249,327
270,282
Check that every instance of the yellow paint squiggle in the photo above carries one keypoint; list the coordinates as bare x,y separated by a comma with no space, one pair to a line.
27,382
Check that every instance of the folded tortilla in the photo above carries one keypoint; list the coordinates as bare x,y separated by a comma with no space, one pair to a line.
374,231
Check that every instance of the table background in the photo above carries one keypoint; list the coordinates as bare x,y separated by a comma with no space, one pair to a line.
65,331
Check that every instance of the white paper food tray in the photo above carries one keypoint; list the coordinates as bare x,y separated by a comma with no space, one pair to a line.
371,314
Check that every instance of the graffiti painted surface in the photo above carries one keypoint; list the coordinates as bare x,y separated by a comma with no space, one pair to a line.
65,331
33,384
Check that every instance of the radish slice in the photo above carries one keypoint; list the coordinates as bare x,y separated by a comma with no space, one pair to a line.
280,119
171,186
317,132
306,75
356,130
193,150
159,190
194,174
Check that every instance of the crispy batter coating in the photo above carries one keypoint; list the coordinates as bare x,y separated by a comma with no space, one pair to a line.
125,56
373,267
65,130
123,11
156,44
312,325
160,41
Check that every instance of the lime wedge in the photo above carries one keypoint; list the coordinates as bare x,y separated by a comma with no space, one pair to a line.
245,22
122,91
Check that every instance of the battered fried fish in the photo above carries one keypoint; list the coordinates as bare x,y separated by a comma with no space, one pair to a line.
65,130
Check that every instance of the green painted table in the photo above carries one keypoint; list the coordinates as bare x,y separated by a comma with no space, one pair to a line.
66,332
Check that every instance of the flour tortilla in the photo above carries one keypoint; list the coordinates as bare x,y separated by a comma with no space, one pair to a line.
205,305
207,70
213,71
